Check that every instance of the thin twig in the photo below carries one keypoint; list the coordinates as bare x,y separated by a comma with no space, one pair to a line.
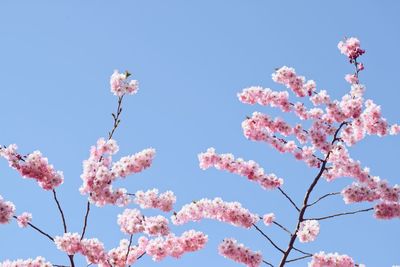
287,196
61,211
299,250
267,263
341,214
128,250
299,258
141,255
37,229
85,220
324,196
269,239
282,227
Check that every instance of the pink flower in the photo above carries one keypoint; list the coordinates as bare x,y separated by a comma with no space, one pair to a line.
151,199
387,210
351,78
308,231
120,84
351,48
249,169
217,209
131,221
231,249
268,218
7,210
288,77
24,219
38,262
265,97
323,259
33,166
93,250
70,243
117,256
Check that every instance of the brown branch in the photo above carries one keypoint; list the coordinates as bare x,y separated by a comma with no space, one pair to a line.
85,220
37,229
61,211
287,196
269,239
267,263
141,255
324,196
302,252
299,258
282,227
129,248
306,197
341,214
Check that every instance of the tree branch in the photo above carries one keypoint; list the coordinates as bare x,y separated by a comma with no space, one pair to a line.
267,263
129,248
60,210
341,214
299,258
85,220
324,196
282,227
269,239
39,230
287,196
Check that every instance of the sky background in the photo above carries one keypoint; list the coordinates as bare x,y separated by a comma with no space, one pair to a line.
191,58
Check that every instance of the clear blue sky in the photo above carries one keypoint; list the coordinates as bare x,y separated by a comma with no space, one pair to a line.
191,58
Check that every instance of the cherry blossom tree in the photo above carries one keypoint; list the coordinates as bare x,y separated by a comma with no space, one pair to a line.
334,127
99,173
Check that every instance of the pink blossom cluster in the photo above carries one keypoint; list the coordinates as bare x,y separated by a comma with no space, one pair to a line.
373,189
229,212
175,246
308,231
322,97
152,199
268,219
131,221
98,174
237,252
264,97
120,84
33,166
117,257
323,259
387,210
350,47
7,210
24,219
288,77
249,169
92,249
38,262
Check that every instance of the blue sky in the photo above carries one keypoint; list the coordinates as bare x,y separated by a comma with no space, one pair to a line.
191,58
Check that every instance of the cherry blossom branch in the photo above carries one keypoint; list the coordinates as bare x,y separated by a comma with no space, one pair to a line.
129,248
291,201
141,255
267,263
268,238
61,211
116,122
299,258
282,227
302,252
322,197
306,197
37,229
341,214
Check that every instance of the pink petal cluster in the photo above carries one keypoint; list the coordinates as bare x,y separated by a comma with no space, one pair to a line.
322,97
308,231
387,210
288,77
237,252
92,249
268,219
98,174
174,246
33,166
217,209
38,262
249,169
372,189
120,84
264,97
131,221
152,199
7,210
24,219
323,259
117,257
350,47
